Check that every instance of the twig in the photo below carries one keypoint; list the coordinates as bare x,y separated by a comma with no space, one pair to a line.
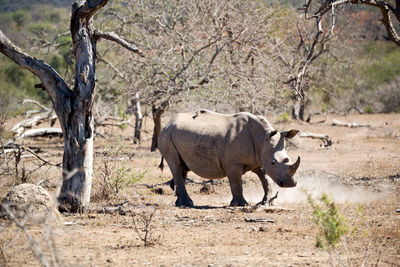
25,148
31,101
272,198
3,257
35,247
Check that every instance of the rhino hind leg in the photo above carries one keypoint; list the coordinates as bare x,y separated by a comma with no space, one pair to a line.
179,171
171,182
184,201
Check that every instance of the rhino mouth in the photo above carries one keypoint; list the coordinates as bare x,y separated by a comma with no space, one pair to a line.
291,183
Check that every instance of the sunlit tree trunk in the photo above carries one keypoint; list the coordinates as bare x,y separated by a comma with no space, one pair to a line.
138,118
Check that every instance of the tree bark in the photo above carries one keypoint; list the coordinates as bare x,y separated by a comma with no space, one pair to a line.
157,113
299,106
78,125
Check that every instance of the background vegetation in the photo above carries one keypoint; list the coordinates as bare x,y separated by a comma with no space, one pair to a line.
228,58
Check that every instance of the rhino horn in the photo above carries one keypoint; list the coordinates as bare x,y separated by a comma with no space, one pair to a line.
294,166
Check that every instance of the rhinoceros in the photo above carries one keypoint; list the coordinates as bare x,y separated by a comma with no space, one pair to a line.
215,145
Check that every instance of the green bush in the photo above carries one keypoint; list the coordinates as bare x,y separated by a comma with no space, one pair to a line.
331,224
20,17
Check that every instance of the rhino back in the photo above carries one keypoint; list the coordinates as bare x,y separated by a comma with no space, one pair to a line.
211,142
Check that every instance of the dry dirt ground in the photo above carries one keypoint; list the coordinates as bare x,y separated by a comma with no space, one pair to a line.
360,169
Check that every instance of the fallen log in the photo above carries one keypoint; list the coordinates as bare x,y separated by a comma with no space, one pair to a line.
42,132
19,128
348,124
327,141
15,148
259,220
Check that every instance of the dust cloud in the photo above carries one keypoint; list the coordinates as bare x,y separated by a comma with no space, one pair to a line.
316,185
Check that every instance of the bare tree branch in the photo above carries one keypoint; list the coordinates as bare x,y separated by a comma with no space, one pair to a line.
31,101
50,79
112,36
115,69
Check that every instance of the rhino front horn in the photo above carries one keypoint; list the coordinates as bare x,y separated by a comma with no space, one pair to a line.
294,166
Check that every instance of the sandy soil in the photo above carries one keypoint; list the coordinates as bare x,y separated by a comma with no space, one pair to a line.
360,170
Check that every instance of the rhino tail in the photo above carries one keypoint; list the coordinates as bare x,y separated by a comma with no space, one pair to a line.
161,165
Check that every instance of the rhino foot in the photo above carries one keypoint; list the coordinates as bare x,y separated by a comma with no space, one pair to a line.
184,202
239,202
262,202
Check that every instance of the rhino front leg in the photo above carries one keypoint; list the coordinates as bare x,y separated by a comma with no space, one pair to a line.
235,182
267,186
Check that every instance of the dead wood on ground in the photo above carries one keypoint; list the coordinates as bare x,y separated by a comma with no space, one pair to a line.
327,141
348,124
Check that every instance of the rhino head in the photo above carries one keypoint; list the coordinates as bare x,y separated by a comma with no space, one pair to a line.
276,162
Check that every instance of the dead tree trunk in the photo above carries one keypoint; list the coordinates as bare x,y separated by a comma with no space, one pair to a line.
138,119
73,106
78,124
298,108
157,113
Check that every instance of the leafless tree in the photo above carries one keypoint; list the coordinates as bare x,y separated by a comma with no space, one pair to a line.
389,10
207,52
73,104
325,14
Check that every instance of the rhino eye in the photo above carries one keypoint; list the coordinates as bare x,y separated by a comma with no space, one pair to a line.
273,162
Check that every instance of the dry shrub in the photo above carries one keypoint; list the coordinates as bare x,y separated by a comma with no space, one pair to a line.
144,226
388,97
113,172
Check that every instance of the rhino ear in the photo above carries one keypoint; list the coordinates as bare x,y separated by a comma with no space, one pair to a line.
289,134
274,132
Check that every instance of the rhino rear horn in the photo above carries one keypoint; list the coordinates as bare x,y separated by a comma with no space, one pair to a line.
295,166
